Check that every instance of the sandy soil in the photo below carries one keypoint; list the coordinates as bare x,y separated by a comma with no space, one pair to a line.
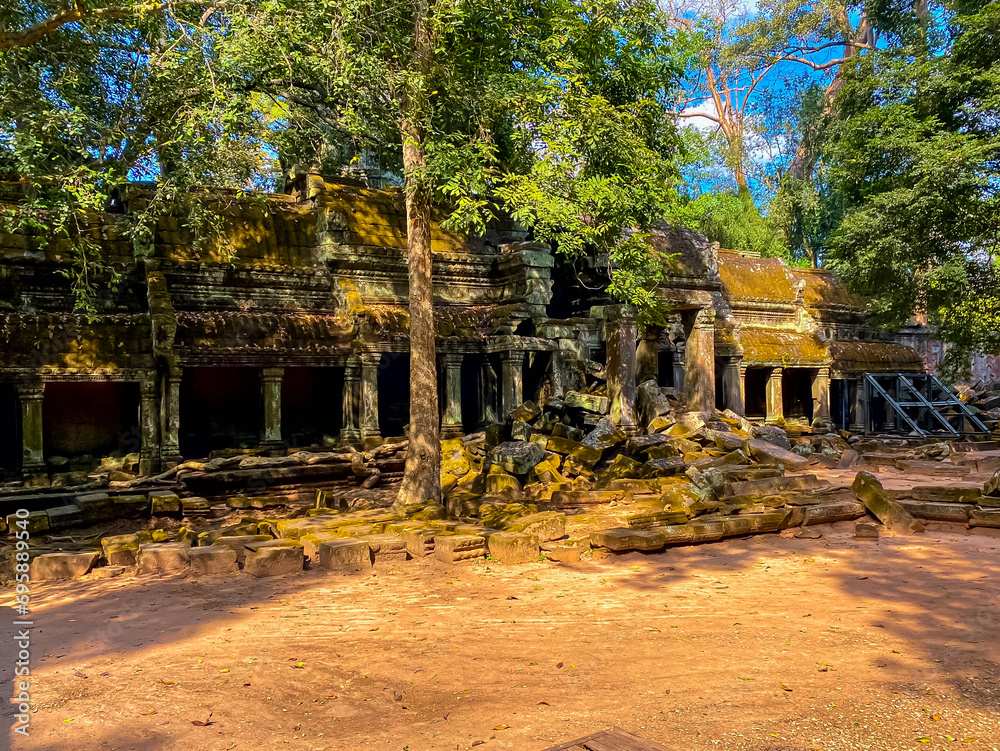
761,643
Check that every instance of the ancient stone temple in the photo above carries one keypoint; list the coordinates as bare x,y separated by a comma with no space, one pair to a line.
288,327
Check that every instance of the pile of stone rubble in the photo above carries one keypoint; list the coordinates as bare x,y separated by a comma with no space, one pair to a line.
560,481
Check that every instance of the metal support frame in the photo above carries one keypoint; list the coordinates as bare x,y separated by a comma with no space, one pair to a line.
931,403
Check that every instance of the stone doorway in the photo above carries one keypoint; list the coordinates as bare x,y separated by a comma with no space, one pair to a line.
394,393
756,392
796,394
90,419
10,432
220,408
665,367
312,404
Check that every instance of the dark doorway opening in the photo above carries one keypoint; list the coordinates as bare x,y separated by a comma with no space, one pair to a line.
756,392
220,408
538,386
90,419
720,386
312,403
665,368
840,403
472,390
393,393
796,393
10,432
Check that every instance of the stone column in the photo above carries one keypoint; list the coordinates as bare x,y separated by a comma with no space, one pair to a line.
620,334
451,419
699,362
743,387
858,407
775,400
149,426
349,432
32,431
513,382
679,367
732,384
170,419
371,434
821,400
271,380
647,361
487,393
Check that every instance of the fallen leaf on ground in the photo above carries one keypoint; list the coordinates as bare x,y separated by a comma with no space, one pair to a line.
147,714
559,664
204,724
78,674
167,683
785,688
500,727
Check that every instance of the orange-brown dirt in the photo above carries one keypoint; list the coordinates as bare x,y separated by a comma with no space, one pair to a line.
761,643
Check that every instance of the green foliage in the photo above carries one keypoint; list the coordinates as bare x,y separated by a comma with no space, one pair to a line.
95,104
733,221
914,159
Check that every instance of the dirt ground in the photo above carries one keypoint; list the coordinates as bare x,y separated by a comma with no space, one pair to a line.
760,643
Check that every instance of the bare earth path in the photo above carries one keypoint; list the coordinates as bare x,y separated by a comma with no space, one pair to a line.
762,643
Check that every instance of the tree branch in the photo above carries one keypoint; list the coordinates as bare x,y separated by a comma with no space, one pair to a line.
79,12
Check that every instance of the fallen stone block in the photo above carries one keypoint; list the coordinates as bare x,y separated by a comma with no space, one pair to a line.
664,467
630,539
96,507
771,434
517,457
61,517
935,469
576,498
164,502
887,510
768,453
420,542
566,551
121,550
131,506
828,513
604,435
992,486
62,565
938,512
163,558
34,523
387,547
957,492
213,560
808,534
866,531
107,572
767,521
238,543
513,547
345,556
311,542
546,525
454,548
196,506
274,561
599,405
694,532
848,459
656,519
985,518
773,485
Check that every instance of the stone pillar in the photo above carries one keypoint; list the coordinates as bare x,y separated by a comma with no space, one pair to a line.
32,442
775,400
620,334
679,367
699,362
821,400
170,419
732,384
858,407
349,432
513,382
647,361
743,387
149,426
271,379
371,434
487,393
451,419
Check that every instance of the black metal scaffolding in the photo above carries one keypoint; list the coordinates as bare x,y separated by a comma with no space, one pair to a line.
916,404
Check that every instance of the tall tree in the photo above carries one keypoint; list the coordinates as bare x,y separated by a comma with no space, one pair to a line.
556,108
914,159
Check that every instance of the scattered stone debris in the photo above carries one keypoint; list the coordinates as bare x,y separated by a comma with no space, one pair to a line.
556,482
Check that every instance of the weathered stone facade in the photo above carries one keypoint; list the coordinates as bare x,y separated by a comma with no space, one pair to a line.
290,328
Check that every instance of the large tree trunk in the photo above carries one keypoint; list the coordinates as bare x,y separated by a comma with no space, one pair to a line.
422,478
